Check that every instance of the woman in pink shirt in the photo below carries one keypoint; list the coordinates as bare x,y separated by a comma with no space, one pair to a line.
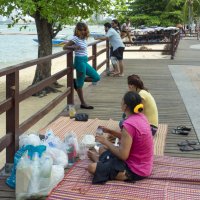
132,160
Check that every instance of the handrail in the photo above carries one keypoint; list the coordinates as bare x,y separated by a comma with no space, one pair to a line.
174,41
20,66
10,105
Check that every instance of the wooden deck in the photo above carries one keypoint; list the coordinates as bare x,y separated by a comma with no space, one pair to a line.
106,98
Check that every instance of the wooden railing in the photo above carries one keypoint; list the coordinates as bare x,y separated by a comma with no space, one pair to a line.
14,96
175,38
172,43
189,34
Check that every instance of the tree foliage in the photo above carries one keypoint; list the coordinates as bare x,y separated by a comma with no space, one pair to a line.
159,12
190,9
50,17
56,12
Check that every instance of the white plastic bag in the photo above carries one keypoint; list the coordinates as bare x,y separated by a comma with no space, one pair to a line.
37,177
71,138
53,141
29,139
71,146
89,140
59,156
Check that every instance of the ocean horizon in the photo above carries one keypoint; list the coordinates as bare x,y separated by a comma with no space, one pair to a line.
18,46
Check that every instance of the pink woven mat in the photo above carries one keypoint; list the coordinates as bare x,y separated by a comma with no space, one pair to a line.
172,179
63,125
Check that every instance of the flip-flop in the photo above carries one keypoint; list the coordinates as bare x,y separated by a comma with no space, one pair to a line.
187,142
190,148
182,128
180,132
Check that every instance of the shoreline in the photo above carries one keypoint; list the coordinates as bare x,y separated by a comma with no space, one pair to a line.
34,104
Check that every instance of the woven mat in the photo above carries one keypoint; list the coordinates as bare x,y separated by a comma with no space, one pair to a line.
172,179
63,125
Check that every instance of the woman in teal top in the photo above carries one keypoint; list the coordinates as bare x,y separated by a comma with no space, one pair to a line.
79,44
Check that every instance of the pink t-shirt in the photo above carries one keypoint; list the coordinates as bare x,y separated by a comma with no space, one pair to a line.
140,160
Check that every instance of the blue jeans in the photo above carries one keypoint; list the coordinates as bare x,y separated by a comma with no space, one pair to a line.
83,68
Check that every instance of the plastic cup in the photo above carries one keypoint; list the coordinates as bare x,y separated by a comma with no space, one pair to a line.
82,151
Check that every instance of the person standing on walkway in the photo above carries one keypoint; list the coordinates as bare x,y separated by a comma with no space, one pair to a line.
79,44
117,45
115,25
150,108
126,30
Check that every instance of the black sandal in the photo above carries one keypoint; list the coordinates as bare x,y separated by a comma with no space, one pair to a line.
180,132
190,148
86,106
186,143
182,128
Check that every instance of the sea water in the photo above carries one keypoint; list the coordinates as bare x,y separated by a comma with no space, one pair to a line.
18,46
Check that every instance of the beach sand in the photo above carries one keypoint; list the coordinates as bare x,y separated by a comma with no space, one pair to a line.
34,104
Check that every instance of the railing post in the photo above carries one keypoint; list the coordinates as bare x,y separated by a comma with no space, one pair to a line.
70,78
12,115
94,54
107,56
172,47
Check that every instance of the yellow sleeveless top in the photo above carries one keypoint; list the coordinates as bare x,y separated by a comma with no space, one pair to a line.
150,107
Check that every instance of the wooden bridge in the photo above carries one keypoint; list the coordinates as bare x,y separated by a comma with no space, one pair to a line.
106,97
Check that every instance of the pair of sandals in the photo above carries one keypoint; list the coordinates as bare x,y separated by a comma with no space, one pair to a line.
189,146
181,130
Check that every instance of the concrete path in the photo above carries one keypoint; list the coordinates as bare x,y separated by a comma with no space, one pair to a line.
186,73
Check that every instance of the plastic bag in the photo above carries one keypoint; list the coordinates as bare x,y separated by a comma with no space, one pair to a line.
89,140
71,146
53,141
37,177
59,156
29,139
30,149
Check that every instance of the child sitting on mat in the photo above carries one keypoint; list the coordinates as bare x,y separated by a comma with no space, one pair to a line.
132,160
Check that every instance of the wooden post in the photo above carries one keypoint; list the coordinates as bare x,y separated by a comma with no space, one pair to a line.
107,56
94,53
12,115
70,78
172,47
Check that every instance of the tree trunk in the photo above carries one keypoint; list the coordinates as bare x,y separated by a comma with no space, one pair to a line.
45,36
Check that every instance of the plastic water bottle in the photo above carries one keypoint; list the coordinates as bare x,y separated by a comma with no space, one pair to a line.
35,176
82,151
99,131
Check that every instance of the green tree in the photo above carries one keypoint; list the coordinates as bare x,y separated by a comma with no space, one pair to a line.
50,17
190,9
143,12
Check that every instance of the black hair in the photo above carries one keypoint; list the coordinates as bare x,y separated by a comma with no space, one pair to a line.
117,22
107,25
136,81
132,99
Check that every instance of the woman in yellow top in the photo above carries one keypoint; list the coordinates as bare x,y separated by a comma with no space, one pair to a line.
150,108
